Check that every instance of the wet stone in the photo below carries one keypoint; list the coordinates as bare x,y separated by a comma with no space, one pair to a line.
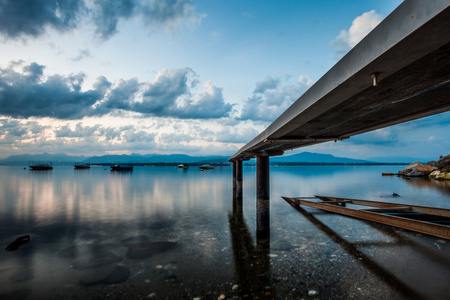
144,250
135,240
22,293
85,249
92,236
161,224
96,259
18,242
283,246
22,276
111,274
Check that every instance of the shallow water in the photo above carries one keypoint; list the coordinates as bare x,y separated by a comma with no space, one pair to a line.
79,222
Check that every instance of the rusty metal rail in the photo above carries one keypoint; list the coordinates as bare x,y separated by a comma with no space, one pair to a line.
393,214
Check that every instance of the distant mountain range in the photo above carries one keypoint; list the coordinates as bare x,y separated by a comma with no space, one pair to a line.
304,157
309,157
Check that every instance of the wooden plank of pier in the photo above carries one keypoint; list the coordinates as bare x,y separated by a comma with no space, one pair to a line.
336,205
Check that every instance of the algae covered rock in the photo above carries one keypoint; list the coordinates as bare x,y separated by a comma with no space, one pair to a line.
417,169
442,171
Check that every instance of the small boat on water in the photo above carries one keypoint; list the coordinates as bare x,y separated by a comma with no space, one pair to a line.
206,167
122,167
41,167
183,166
82,166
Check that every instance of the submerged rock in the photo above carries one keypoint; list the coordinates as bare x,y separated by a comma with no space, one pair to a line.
282,246
144,250
85,249
161,224
22,276
17,243
135,240
96,259
105,275
21,293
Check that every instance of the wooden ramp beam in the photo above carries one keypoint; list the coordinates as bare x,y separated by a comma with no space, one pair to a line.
442,212
441,231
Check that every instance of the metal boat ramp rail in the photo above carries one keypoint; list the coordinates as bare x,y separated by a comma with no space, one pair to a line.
428,220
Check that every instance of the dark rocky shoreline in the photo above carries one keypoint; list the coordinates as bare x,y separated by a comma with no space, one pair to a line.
438,170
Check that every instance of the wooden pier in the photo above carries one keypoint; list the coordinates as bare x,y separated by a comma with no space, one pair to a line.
428,220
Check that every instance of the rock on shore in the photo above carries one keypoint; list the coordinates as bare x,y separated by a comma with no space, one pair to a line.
439,170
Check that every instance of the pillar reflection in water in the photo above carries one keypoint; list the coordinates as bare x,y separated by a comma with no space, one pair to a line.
262,197
237,174
251,263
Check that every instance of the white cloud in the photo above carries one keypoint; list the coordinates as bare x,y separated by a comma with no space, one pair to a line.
272,97
361,26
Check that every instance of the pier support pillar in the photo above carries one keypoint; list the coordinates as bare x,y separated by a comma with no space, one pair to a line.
234,176
262,197
238,174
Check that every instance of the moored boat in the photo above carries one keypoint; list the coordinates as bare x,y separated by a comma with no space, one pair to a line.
206,167
122,167
183,166
41,167
82,166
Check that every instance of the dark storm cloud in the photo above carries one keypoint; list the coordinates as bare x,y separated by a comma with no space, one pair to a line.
154,14
120,97
170,96
167,13
33,17
29,93
26,94
161,95
109,13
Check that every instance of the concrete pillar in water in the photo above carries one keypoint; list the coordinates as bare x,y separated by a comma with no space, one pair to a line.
239,187
262,197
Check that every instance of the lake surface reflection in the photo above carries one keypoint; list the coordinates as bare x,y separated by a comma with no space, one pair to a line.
163,232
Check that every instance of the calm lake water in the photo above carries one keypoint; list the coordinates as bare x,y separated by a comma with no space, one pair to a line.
86,226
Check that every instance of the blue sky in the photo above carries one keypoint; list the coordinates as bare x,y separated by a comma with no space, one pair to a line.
93,77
